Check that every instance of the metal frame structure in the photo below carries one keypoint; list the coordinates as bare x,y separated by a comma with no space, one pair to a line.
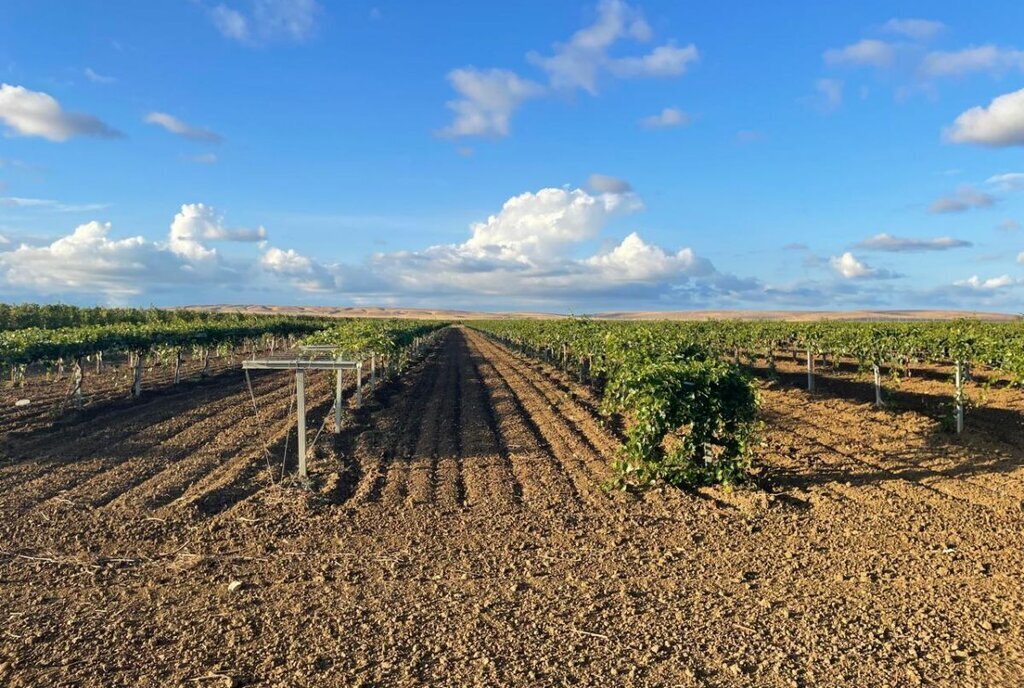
315,361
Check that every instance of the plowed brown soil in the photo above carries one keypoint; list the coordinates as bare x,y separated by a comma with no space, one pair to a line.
457,533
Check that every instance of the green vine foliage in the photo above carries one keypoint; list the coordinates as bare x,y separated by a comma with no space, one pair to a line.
363,337
42,345
691,416
692,422
52,316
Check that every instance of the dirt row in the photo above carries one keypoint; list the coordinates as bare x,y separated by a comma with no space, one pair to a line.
49,399
459,532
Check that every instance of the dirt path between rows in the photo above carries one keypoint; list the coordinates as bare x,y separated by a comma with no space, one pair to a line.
458,533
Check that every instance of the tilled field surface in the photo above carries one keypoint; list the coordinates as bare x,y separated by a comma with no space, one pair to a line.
458,534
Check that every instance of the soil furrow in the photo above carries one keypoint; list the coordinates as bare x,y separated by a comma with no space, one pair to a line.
421,422
480,456
916,474
376,448
566,448
543,479
160,400
888,480
977,469
137,465
507,488
400,434
238,465
421,463
449,488
119,433
96,465
169,479
574,422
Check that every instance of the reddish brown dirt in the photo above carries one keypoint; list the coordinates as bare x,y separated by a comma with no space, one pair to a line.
457,533
49,396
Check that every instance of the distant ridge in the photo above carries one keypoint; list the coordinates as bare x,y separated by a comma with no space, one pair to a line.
450,314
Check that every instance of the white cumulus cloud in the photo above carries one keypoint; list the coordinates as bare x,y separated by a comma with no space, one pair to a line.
487,99
34,113
196,223
231,23
602,183
528,251
297,269
90,261
999,124
536,224
663,61
636,260
850,267
578,62
992,283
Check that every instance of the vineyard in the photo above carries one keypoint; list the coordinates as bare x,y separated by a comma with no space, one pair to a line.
508,502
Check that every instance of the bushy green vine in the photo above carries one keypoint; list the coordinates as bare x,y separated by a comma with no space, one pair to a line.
692,422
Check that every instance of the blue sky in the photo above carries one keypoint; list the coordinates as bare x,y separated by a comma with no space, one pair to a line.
553,156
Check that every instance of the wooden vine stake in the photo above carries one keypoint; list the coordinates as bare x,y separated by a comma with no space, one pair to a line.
959,410
810,371
177,366
878,385
76,382
137,375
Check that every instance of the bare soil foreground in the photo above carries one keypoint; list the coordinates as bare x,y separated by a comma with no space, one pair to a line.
458,534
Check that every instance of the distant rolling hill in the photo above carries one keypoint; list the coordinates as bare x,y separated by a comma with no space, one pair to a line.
446,314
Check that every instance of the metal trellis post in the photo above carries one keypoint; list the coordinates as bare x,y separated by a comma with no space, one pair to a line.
300,410
338,382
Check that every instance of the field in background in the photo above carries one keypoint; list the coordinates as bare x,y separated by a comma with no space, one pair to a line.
440,314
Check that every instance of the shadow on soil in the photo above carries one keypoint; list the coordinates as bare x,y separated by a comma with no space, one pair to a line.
358,427
992,442
154,406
